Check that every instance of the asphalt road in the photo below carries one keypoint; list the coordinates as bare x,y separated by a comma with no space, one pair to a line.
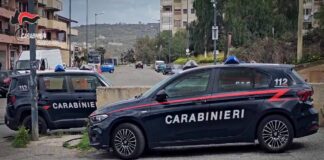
129,76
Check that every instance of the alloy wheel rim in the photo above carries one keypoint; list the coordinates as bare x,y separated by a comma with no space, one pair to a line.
125,142
275,134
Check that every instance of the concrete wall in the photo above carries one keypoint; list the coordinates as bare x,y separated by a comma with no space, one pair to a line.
313,72
319,100
115,94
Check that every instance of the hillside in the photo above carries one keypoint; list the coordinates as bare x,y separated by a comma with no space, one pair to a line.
115,38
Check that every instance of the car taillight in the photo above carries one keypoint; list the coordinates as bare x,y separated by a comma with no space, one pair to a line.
11,99
7,81
304,95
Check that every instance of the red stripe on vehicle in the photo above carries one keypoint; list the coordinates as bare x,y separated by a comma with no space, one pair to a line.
278,93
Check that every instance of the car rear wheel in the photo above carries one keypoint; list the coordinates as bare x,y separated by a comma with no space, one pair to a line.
275,133
42,126
128,141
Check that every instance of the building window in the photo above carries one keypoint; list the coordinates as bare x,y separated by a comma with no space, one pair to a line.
177,23
185,11
192,11
177,11
177,1
185,23
167,8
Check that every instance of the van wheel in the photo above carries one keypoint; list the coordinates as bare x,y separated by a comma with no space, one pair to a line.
128,141
42,126
275,134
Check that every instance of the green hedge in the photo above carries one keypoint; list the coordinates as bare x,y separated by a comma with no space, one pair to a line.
200,59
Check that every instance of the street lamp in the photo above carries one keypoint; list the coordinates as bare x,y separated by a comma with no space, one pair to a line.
215,31
96,14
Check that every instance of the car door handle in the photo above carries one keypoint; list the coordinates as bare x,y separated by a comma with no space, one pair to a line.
203,101
251,98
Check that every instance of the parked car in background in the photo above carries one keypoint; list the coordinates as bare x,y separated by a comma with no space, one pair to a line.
157,63
168,69
109,67
65,99
161,67
139,64
5,80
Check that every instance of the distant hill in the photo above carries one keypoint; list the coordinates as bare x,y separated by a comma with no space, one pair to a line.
116,38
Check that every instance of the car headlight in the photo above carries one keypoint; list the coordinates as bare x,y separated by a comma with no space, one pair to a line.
98,118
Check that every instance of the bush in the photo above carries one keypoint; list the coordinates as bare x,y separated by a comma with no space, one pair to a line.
84,144
21,139
200,59
307,58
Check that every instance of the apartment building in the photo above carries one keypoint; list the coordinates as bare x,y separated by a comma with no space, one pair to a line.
176,14
55,27
311,7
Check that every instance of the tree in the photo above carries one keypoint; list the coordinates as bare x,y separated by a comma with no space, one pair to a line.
102,52
145,49
179,44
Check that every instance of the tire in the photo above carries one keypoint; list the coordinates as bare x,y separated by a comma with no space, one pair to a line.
42,126
275,134
132,132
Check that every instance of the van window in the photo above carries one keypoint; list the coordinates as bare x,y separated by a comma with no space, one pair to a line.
54,83
85,83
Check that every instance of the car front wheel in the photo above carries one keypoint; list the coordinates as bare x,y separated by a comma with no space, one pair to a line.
275,133
128,141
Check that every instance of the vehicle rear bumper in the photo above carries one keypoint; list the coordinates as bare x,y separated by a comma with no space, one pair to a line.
11,123
307,124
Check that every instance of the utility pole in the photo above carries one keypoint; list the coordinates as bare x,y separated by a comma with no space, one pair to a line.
70,43
96,14
33,67
187,50
87,23
215,31
170,37
300,30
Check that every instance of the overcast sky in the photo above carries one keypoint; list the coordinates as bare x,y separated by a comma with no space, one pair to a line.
115,11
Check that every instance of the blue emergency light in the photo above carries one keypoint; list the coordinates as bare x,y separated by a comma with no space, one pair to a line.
232,60
59,68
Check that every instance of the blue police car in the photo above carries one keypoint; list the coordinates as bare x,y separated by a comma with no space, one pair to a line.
227,103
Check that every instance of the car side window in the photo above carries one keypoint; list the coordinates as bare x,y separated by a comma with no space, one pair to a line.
189,85
235,79
85,83
261,80
54,83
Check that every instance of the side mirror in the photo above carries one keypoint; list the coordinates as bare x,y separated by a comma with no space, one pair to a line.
161,96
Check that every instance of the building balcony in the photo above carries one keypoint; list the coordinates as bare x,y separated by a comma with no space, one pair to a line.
56,5
8,37
42,2
53,24
6,12
52,44
166,2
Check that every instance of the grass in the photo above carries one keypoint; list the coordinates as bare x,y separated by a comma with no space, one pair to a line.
21,139
84,144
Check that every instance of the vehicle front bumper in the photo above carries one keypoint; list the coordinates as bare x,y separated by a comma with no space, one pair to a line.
99,135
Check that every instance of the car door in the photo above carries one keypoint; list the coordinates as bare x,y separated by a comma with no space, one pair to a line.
84,91
179,118
56,97
238,94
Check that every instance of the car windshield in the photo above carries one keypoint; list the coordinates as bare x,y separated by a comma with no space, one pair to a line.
23,65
